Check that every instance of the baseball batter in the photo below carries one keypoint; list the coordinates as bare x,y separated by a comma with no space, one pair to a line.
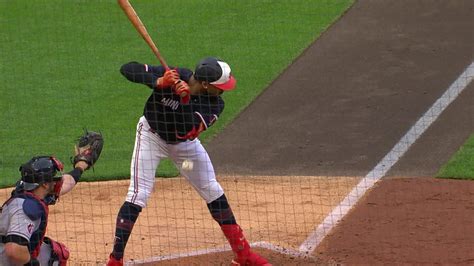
182,104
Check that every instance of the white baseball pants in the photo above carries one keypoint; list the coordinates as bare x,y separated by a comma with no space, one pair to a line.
150,149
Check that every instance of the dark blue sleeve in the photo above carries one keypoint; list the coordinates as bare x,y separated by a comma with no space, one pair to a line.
142,73
185,74
208,112
33,209
148,74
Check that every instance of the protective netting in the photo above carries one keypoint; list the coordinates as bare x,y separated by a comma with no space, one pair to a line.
310,168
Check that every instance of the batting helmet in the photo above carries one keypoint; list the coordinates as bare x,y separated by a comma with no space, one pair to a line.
216,72
39,170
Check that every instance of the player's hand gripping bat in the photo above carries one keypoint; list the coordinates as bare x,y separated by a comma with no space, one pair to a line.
137,23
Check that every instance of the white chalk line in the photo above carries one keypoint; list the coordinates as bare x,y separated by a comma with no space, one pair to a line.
266,245
321,231
180,255
315,238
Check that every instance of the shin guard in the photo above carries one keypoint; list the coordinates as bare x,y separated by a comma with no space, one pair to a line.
126,219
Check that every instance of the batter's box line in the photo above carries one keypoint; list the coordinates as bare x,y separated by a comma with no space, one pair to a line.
379,171
262,244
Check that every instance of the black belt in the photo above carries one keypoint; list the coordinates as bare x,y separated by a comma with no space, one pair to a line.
3,239
174,142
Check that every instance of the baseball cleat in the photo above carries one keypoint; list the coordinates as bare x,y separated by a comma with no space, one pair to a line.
114,262
251,259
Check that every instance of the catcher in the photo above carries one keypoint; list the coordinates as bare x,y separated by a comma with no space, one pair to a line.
24,216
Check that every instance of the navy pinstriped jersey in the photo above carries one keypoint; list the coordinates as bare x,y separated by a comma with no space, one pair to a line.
163,110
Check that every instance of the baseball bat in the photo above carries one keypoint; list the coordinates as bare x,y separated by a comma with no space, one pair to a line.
137,23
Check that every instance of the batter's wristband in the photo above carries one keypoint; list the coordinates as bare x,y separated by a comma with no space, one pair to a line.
76,174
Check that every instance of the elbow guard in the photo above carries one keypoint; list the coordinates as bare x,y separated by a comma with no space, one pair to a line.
193,133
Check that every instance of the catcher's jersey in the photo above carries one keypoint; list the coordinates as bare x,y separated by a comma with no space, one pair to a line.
163,110
14,221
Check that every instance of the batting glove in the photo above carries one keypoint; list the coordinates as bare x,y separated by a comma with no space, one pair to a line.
169,79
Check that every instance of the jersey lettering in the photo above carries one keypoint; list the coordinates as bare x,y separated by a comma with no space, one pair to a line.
170,103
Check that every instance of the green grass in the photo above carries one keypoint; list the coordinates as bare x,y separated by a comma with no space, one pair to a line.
60,60
461,165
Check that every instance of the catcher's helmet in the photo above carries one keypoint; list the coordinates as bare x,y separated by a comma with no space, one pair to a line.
39,170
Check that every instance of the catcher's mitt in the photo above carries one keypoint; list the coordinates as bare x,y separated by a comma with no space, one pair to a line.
88,148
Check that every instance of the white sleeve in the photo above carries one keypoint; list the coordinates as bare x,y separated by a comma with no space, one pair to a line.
20,223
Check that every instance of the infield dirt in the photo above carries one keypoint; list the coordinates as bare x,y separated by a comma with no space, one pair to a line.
286,163
277,210
355,92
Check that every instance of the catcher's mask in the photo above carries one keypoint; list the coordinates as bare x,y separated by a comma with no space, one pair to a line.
40,170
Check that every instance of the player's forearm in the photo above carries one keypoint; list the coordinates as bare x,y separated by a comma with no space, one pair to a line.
17,254
68,184
139,73
72,178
